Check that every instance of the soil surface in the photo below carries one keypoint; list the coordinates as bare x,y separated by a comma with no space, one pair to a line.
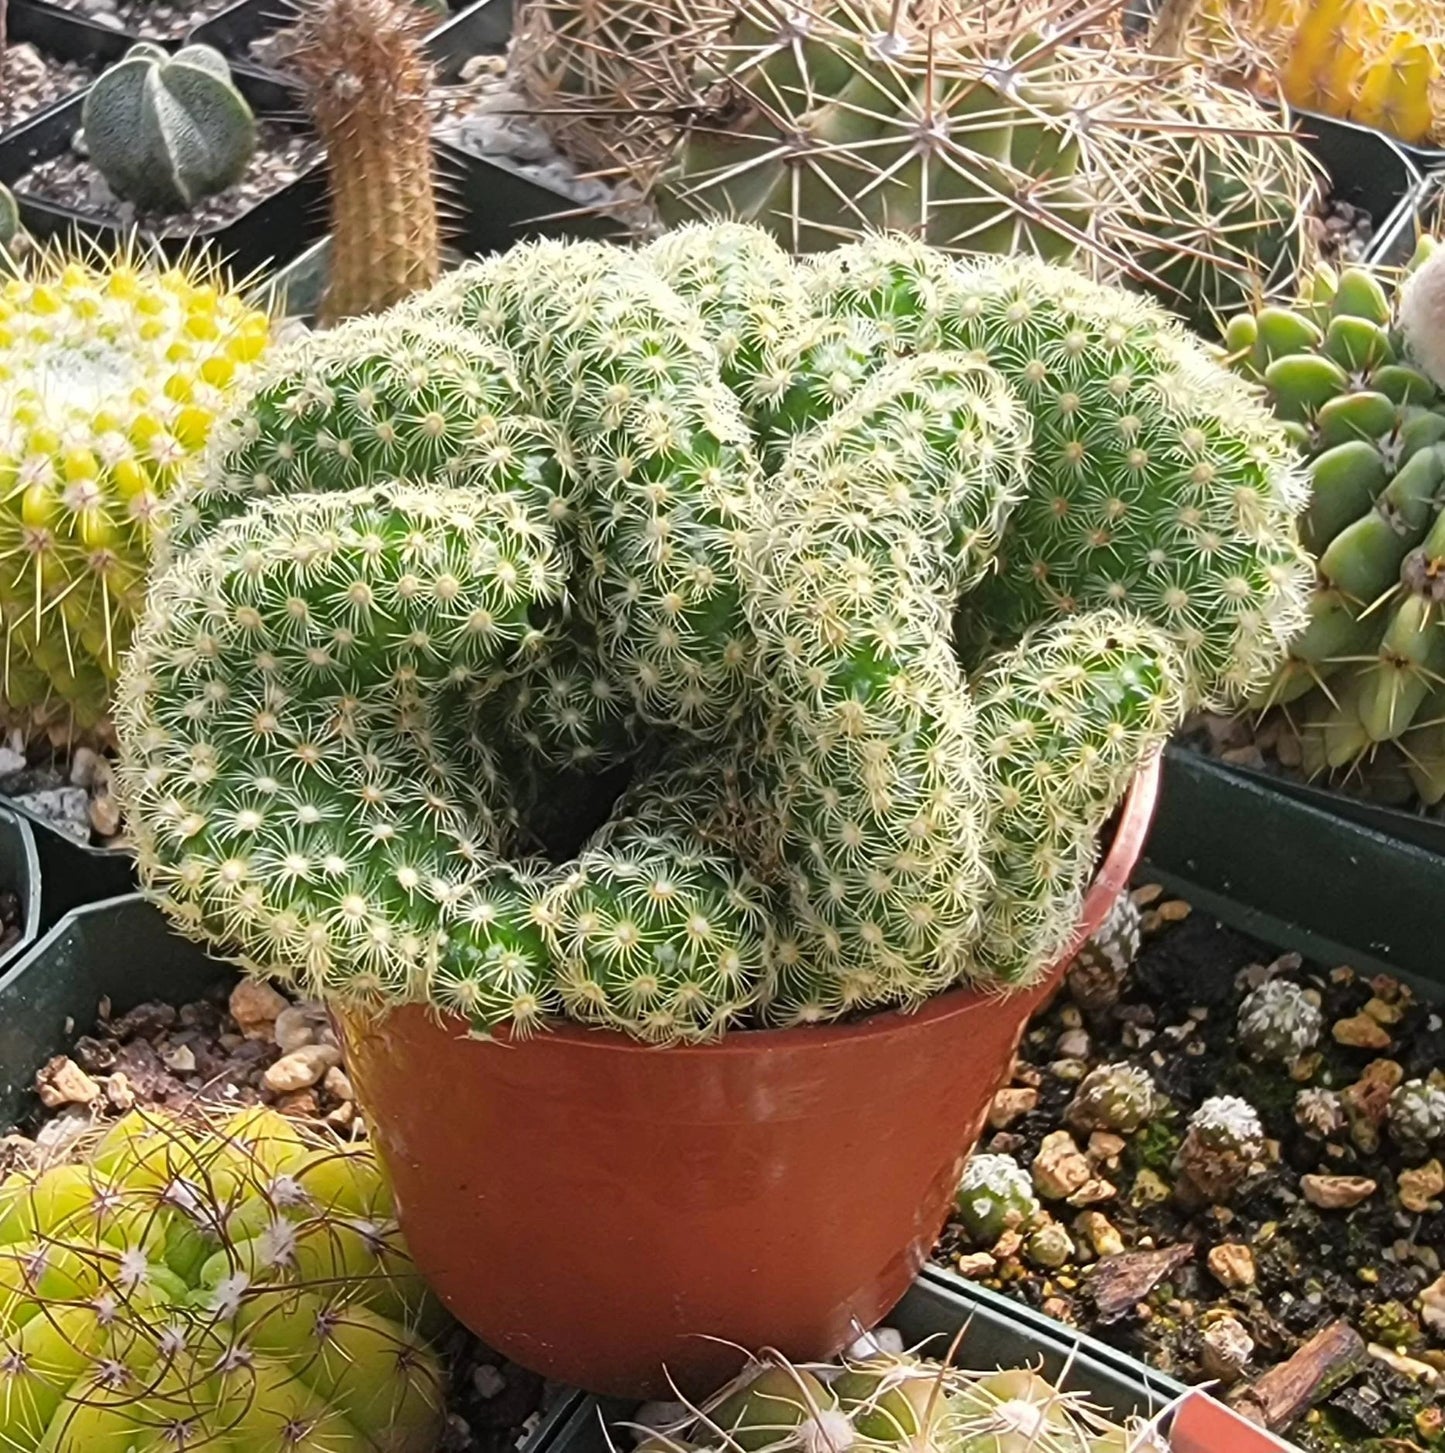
216,1051
149,19
31,82
69,180
1326,1227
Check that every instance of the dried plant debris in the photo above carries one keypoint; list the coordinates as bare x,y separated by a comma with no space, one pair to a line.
1232,1165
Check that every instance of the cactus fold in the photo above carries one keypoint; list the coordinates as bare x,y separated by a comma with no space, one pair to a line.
242,1285
167,130
578,509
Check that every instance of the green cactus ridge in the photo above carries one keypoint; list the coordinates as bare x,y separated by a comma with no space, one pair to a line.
1341,366
558,517
1116,1097
995,1195
167,130
243,1287
1417,1116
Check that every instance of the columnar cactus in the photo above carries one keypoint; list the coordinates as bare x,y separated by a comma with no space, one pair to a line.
577,508
111,377
167,130
994,1196
250,1260
1117,1097
1224,1142
1279,1021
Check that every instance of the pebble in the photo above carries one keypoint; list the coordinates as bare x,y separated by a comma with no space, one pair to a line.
1093,1191
180,1060
62,1082
1106,1148
1073,1044
1100,1232
1432,1306
300,1104
104,814
975,1265
1071,1070
1232,1265
1360,1031
1150,1189
1060,1168
1410,1367
1010,1105
256,1007
85,762
10,759
1337,1193
1225,1349
302,1024
1059,1310
67,809
1419,1186
1384,1012
301,1069
337,1084
118,1091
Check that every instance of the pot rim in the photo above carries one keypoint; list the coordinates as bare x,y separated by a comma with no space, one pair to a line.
1109,881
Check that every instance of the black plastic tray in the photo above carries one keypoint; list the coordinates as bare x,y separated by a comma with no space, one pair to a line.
1294,874
275,229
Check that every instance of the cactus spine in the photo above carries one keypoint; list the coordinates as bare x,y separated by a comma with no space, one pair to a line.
625,527
167,130
366,82
242,1286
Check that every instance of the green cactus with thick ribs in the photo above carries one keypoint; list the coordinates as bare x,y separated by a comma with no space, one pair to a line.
241,1286
579,509
1365,682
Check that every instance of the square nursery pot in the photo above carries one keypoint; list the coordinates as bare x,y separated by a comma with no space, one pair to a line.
1303,868
600,1210
59,35
494,205
272,229
464,31
994,1335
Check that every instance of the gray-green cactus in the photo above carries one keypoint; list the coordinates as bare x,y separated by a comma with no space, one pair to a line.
1117,1097
1417,1116
1279,1021
707,514
9,218
1222,1145
167,130
994,1196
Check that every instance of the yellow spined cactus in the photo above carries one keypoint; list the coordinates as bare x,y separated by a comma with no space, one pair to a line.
112,371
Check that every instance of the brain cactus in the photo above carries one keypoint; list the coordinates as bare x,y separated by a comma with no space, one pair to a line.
1417,1116
167,130
881,574
111,376
1118,1097
1279,1021
994,1196
1224,1142
1362,680
242,1287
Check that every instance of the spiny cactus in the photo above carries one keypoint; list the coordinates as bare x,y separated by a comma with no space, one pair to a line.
1224,1142
242,1286
1318,1113
112,373
994,1196
367,83
1096,977
167,130
556,516
1116,1097
1279,1021
1366,670
1422,312
1417,1116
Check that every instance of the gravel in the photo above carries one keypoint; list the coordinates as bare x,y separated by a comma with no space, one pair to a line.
148,19
31,82
70,790
1342,230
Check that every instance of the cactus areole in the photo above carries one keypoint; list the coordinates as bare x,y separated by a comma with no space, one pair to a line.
882,575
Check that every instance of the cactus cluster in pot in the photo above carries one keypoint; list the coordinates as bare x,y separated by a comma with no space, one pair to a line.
1355,370
237,1285
881,574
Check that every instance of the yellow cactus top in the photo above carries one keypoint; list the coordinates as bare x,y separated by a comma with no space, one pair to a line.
111,374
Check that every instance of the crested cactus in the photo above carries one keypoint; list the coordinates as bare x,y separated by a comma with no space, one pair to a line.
994,1196
1118,1097
577,509
1279,1021
166,131
243,1286
1417,1116
1221,1147
367,83
111,376
1096,977
1371,421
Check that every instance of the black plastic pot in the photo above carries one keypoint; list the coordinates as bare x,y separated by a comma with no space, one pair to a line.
1260,855
274,229
993,1332
1367,169
61,36
467,30
493,203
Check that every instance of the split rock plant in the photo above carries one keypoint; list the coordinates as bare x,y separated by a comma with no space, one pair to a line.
883,574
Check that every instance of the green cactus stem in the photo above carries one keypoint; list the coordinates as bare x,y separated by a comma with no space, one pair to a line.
1221,1147
1117,1097
166,131
994,1196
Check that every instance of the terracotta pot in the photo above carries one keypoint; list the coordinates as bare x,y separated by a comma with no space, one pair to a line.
597,1209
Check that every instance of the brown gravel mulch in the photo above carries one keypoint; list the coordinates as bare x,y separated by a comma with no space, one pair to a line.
32,81
150,19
